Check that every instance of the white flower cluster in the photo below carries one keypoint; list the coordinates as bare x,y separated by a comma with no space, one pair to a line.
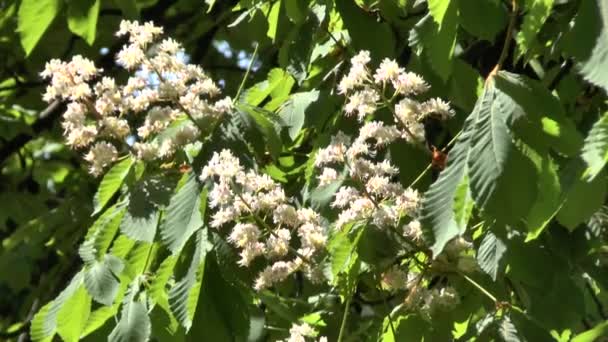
438,300
264,220
299,333
366,92
374,195
100,110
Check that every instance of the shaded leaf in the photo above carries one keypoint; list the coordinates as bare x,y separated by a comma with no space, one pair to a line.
595,149
101,279
293,112
134,324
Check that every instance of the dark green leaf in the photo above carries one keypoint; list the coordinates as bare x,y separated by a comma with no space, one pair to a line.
490,254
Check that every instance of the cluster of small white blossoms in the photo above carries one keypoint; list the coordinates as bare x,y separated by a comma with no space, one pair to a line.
250,200
366,92
302,333
101,115
374,195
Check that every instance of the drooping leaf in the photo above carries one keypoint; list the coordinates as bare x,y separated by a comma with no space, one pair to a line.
183,216
82,18
134,324
110,183
293,112
595,150
34,18
183,297
273,20
490,254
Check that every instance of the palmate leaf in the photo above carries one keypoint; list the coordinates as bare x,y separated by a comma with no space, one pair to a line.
595,149
183,297
111,182
501,180
44,324
183,216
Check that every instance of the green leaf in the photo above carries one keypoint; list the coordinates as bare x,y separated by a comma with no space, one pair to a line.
101,279
100,235
586,41
502,179
44,323
183,216
273,20
34,17
490,254
266,127
73,316
293,112
439,218
145,200
438,9
111,182
507,330
134,324
344,259
595,149
548,200
128,8
438,42
183,297
582,198
463,203
158,287
593,334
365,31
483,18
278,85
82,18
536,12
222,310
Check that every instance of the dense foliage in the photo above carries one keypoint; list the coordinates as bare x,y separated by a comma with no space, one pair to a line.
299,170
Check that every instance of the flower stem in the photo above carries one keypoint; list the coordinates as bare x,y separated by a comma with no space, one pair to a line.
344,319
242,85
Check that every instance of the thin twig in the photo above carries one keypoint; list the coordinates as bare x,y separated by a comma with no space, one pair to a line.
507,43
